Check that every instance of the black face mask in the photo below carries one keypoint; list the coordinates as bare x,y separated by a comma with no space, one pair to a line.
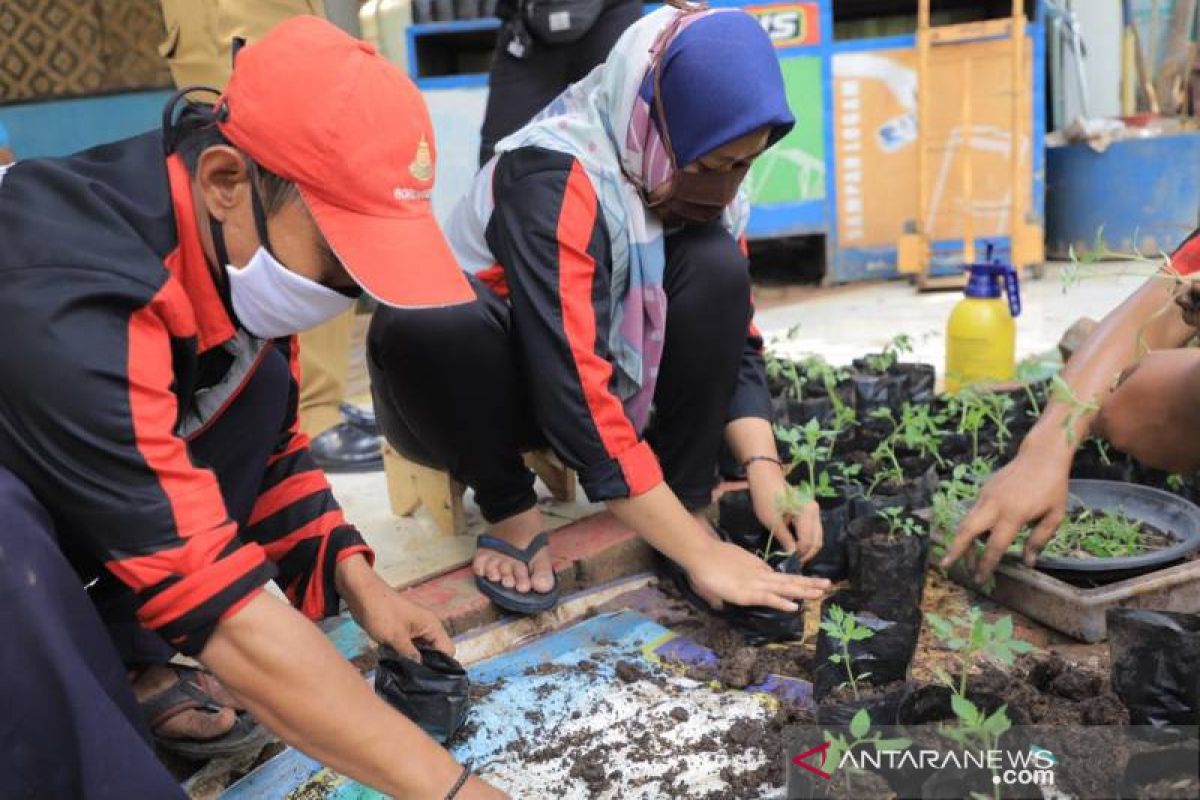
699,197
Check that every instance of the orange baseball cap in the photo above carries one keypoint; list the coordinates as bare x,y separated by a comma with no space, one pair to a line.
319,108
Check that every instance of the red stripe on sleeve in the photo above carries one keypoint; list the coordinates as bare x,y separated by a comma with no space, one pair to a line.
171,604
318,527
286,492
193,493
577,270
1186,259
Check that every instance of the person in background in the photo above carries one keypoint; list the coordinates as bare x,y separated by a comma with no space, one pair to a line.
149,442
602,243
197,48
1146,388
537,58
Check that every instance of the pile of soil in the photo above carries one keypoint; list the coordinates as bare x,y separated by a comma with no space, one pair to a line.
1048,690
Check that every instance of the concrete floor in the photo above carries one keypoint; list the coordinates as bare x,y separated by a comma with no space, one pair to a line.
839,323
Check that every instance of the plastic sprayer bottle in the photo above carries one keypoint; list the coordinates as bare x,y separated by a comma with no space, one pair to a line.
981,335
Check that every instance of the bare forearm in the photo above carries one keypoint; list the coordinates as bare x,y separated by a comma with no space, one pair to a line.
749,437
659,518
1147,320
294,681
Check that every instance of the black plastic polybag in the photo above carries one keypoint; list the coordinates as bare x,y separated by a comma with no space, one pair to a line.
887,575
434,692
1156,665
886,655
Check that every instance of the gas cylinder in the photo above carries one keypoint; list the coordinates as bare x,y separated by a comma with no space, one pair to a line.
981,335
384,24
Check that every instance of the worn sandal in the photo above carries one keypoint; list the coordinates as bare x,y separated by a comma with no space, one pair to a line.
531,602
187,695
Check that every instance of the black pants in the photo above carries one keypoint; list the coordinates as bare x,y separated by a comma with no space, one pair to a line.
518,88
71,725
450,391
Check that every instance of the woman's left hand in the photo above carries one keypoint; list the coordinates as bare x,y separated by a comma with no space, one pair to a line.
801,532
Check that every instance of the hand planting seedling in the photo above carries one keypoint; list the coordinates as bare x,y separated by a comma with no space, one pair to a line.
842,627
859,730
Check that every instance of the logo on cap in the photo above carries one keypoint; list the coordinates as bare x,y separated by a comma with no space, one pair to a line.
422,166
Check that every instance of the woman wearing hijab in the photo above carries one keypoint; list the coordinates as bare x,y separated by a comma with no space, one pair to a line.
601,241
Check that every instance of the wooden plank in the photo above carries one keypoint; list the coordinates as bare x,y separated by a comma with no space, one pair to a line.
970,31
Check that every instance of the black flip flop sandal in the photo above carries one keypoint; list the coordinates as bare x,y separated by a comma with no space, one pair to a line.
184,695
530,602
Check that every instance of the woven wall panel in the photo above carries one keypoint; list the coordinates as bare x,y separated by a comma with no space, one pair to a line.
131,31
70,48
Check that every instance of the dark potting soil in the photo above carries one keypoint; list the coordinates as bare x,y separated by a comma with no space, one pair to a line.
1049,690
740,665
1176,789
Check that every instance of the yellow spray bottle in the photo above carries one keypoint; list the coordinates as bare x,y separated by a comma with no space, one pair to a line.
981,335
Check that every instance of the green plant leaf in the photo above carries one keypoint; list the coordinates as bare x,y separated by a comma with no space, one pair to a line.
835,658
1020,646
860,724
1004,627
899,743
998,722
964,709
860,633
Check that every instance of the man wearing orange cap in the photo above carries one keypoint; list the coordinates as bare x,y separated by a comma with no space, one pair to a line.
148,438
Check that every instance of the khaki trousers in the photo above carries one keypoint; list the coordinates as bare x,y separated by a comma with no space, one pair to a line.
197,49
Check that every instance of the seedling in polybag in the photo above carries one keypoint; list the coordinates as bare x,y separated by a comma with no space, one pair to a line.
881,362
976,637
860,728
977,730
899,523
842,627
921,429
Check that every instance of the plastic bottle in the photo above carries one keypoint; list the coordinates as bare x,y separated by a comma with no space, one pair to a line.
384,24
981,334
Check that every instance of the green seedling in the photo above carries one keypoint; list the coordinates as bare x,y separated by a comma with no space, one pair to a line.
1101,534
899,523
975,729
888,469
881,362
842,627
972,639
1062,392
954,493
859,738
920,429
1177,483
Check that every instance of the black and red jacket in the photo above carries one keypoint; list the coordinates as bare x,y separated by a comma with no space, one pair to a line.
119,354
545,247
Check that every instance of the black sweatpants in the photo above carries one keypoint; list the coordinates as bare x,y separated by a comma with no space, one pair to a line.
518,88
71,725
450,389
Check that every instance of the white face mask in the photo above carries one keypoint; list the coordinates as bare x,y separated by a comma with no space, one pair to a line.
271,301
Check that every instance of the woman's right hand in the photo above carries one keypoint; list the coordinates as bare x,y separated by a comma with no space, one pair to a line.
726,572
1030,489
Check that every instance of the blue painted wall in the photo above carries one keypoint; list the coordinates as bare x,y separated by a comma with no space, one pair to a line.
60,127
1142,193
